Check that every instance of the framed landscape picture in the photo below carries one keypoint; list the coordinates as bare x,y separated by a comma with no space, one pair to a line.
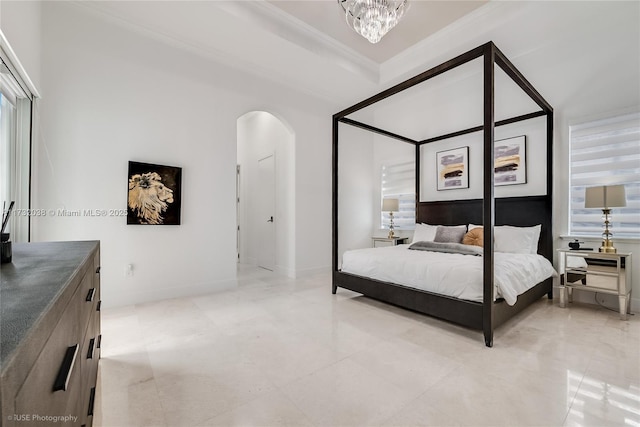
453,168
510,161
154,194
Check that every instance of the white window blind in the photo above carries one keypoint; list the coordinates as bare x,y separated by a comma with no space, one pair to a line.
605,152
399,182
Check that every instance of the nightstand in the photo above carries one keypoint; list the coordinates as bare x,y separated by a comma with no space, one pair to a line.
604,272
379,242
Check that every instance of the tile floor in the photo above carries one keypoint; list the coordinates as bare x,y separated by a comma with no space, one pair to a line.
283,352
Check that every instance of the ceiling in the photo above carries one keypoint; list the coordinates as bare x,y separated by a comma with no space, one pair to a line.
305,47
301,44
423,19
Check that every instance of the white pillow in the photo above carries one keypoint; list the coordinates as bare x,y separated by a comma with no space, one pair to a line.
519,240
535,231
424,233
472,226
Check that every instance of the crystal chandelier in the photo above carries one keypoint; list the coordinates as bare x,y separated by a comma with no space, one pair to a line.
372,19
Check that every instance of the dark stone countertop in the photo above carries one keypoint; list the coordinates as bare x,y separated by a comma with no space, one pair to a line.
31,284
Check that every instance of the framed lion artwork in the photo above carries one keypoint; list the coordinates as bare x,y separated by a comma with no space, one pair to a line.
154,194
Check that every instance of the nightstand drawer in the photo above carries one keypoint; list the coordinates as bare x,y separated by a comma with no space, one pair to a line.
603,277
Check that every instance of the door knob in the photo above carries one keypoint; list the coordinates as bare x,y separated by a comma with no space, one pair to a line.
270,219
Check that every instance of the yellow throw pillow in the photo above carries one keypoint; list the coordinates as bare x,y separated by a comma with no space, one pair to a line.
474,237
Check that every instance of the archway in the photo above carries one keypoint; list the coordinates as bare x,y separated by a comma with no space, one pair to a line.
266,239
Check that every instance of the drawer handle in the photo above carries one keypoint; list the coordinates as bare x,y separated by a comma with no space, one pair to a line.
98,270
92,399
64,374
99,340
92,341
99,304
90,294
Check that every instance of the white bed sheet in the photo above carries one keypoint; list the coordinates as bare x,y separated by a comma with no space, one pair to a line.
454,275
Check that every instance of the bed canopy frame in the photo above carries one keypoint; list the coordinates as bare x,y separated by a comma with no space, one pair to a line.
489,211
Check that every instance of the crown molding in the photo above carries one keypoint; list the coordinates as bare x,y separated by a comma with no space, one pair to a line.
286,26
15,67
453,37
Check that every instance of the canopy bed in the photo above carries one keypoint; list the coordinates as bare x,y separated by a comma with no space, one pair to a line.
486,312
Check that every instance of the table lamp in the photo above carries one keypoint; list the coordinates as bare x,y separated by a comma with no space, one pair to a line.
390,205
605,197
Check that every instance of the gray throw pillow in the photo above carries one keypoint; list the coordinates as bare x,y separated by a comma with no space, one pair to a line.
450,234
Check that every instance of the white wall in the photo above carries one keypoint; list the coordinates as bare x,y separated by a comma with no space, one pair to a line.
113,95
313,187
356,189
260,134
536,162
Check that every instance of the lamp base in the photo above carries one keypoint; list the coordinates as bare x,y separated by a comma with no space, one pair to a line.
391,227
607,247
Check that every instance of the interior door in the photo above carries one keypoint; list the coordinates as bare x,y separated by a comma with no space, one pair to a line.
266,213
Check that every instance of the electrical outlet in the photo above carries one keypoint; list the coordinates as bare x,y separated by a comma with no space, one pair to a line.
128,270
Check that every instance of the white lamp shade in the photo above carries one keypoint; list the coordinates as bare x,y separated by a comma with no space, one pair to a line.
606,197
390,205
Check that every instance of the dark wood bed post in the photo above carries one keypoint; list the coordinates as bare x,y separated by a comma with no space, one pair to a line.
488,204
550,182
334,204
417,179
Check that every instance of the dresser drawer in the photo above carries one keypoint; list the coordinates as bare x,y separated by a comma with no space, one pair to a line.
90,353
96,258
96,271
90,357
88,298
52,387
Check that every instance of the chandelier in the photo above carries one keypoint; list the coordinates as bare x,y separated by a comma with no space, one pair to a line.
372,19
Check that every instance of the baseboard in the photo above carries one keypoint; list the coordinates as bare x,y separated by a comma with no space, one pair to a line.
162,293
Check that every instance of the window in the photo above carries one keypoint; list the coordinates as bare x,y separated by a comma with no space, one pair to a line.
605,152
7,136
15,158
399,181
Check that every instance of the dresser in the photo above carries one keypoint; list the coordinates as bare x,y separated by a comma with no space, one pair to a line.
50,334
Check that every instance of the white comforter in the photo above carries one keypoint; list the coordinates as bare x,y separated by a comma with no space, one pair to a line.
454,275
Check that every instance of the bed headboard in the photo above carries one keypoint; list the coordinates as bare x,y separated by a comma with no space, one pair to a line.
517,211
